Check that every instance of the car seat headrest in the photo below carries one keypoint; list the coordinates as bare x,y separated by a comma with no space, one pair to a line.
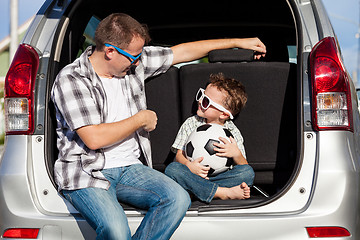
231,55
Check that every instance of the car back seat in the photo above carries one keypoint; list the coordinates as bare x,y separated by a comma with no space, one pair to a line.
268,122
162,93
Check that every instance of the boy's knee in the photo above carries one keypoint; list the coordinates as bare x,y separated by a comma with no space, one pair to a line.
246,168
173,169
250,173
250,170
245,172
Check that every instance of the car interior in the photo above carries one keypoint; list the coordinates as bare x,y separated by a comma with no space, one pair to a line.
269,122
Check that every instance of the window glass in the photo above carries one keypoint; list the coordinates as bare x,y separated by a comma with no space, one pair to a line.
292,53
89,34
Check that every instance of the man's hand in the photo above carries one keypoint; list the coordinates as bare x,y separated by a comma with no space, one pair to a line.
253,44
148,119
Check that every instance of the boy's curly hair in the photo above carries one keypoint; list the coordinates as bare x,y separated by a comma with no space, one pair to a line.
237,97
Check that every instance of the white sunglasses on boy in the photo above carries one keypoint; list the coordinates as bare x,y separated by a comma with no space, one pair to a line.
207,102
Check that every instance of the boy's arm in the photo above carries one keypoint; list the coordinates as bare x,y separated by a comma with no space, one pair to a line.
191,51
240,160
180,157
194,166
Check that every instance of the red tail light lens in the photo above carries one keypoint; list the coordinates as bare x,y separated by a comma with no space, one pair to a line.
19,91
320,232
332,108
327,74
24,233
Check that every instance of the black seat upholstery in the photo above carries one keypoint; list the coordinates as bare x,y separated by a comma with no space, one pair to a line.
162,93
268,122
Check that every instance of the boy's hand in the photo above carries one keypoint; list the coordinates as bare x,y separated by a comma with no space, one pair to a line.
197,168
228,149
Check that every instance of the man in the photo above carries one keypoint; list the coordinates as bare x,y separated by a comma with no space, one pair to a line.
103,129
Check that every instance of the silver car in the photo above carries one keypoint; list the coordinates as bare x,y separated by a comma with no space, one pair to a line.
301,123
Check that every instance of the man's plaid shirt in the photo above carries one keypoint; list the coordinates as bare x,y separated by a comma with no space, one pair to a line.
80,100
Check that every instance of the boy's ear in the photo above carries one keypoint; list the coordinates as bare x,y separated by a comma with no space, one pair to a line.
224,116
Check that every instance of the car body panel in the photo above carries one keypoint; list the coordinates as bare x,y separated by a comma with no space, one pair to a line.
324,190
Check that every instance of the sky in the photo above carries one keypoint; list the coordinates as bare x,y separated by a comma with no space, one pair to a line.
27,8
344,16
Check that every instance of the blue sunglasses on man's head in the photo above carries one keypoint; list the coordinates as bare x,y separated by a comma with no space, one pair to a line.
122,52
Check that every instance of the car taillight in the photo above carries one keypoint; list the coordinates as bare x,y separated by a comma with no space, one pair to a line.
332,109
24,233
327,232
19,91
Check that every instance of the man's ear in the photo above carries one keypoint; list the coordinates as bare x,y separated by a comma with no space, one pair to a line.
109,52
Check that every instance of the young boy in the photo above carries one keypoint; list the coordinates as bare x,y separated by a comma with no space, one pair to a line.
222,98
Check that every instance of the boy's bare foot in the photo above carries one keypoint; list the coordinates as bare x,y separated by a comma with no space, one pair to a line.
241,191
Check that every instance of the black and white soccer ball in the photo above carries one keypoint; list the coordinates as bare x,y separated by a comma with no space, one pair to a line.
200,143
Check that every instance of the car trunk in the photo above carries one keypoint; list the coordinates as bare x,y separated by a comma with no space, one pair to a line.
270,123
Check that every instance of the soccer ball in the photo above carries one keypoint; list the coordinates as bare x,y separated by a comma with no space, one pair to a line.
201,144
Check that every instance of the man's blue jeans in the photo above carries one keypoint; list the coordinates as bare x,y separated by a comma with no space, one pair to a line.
205,189
166,203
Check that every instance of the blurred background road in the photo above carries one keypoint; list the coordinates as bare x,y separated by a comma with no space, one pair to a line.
1,150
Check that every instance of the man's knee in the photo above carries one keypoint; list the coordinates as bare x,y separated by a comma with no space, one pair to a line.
180,198
113,230
184,199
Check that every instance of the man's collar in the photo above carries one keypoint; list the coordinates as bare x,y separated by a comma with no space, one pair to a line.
86,68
